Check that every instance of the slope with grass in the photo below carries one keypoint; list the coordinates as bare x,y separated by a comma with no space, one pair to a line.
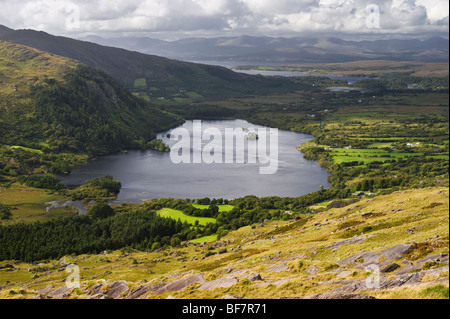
398,242
178,215
55,111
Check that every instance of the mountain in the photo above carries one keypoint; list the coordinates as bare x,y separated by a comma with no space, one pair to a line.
56,104
292,50
162,75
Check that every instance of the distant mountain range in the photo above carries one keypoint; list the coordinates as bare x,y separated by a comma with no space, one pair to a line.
162,75
285,50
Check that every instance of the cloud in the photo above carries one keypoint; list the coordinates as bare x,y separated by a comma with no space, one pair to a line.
225,17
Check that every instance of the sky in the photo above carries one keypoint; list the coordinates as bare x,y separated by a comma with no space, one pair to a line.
175,19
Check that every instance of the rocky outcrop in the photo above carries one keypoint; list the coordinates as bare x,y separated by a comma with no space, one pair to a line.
219,283
365,259
338,244
336,295
181,284
280,267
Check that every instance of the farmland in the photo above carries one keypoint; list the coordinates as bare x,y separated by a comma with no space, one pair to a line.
176,214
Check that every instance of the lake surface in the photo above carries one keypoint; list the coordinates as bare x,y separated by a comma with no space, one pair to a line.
152,174
231,64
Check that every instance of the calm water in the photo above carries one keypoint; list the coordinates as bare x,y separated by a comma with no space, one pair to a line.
151,174
231,64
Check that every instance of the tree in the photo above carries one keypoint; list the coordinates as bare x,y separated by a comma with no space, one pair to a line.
101,211
5,212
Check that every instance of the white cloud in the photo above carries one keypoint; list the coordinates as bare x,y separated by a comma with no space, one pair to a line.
215,17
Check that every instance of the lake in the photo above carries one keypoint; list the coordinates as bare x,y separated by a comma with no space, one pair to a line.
151,174
230,64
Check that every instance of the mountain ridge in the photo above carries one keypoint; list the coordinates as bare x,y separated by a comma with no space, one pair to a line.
247,48
166,75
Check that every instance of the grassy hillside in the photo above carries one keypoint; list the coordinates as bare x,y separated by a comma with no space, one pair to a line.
53,105
327,252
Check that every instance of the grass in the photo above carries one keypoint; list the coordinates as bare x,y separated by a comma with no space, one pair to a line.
176,214
222,208
140,83
26,149
29,204
206,239
264,247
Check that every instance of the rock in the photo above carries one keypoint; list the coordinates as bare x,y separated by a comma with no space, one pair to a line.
365,259
357,240
255,277
232,297
406,262
396,252
390,268
98,296
45,290
399,281
181,284
344,274
62,263
361,260
219,283
222,251
117,289
337,295
436,271
312,271
60,293
144,289
41,297
280,267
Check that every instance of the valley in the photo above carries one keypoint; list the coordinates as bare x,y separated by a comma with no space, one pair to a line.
386,152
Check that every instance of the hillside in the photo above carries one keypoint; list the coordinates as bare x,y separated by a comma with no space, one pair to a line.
163,77
330,254
52,104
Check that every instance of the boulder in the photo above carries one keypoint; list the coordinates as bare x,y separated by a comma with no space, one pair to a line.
392,267
255,277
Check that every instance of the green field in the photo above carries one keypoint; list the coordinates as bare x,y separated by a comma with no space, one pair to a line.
222,208
140,83
341,155
176,214
207,239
